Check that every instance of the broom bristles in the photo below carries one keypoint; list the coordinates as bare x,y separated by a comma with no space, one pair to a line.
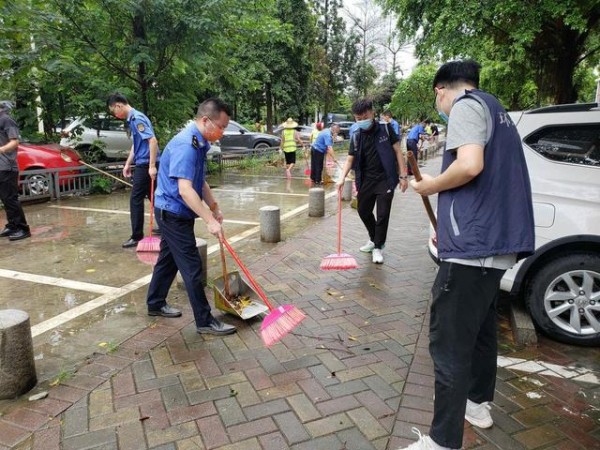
280,322
149,244
339,261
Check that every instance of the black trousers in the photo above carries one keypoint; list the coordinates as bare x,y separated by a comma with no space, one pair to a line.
316,165
178,251
462,344
9,195
139,192
369,195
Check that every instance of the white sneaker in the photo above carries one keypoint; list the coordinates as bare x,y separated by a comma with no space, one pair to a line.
478,414
424,442
377,256
368,247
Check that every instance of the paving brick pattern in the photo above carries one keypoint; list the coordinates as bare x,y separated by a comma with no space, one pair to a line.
355,375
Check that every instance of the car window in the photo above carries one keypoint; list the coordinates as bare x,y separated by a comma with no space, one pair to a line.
92,123
232,127
577,144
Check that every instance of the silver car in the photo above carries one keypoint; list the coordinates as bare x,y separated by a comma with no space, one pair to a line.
98,139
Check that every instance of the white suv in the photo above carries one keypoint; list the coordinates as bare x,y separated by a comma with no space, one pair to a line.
560,283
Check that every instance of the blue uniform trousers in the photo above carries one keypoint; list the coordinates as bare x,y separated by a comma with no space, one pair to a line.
139,192
178,251
462,344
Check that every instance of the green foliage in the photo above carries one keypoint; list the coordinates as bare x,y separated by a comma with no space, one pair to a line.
414,99
101,185
532,49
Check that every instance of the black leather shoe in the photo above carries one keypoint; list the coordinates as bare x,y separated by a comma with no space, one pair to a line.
165,311
18,235
130,243
216,327
6,232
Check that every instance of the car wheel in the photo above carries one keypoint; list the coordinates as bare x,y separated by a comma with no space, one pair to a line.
262,146
564,298
92,154
35,184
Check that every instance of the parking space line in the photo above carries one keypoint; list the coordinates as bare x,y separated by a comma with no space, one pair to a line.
116,293
59,282
553,370
119,211
241,191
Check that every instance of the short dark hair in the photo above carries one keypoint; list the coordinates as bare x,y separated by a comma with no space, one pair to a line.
454,72
117,97
362,105
334,124
387,113
212,107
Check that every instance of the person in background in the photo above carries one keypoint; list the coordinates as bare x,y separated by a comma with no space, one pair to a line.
290,142
388,118
144,155
16,227
322,146
258,126
485,225
435,133
183,195
414,137
378,162
315,132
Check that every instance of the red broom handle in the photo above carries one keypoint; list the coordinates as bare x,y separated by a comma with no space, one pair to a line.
256,287
339,249
151,205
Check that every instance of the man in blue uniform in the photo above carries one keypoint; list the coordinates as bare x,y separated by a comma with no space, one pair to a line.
388,118
416,134
485,225
322,146
183,195
144,155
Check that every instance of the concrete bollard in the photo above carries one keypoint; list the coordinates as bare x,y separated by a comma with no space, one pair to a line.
203,249
347,190
270,224
316,202
17,367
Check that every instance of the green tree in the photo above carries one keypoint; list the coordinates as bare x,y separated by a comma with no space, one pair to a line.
544,41
414,99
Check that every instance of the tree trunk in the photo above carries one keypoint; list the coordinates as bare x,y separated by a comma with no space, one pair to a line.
139,33
269,104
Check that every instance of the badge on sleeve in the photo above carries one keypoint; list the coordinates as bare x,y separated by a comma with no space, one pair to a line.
195,142
140,127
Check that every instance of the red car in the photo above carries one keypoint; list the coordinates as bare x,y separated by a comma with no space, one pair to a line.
46,156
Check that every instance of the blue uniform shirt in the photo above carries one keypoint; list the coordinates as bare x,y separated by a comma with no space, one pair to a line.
183,157
324,140
141,131
416,131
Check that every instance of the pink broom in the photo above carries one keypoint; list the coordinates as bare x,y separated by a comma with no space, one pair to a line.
281,320
150,243
339,260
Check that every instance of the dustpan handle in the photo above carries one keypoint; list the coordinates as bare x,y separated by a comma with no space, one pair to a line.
254,284
225,274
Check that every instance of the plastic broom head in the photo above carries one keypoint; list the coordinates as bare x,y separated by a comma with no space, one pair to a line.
338,261
280,322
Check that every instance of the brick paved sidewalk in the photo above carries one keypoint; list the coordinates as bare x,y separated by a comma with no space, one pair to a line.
355,375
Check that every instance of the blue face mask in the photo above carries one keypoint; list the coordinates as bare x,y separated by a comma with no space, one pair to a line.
364,124
444,116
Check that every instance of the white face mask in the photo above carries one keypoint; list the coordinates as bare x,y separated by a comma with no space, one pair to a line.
364,124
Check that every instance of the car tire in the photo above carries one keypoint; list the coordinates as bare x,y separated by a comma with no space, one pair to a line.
35,184
563,298
261,146
92,154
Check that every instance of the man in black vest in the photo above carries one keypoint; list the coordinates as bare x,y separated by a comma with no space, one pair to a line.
378,162
484,226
